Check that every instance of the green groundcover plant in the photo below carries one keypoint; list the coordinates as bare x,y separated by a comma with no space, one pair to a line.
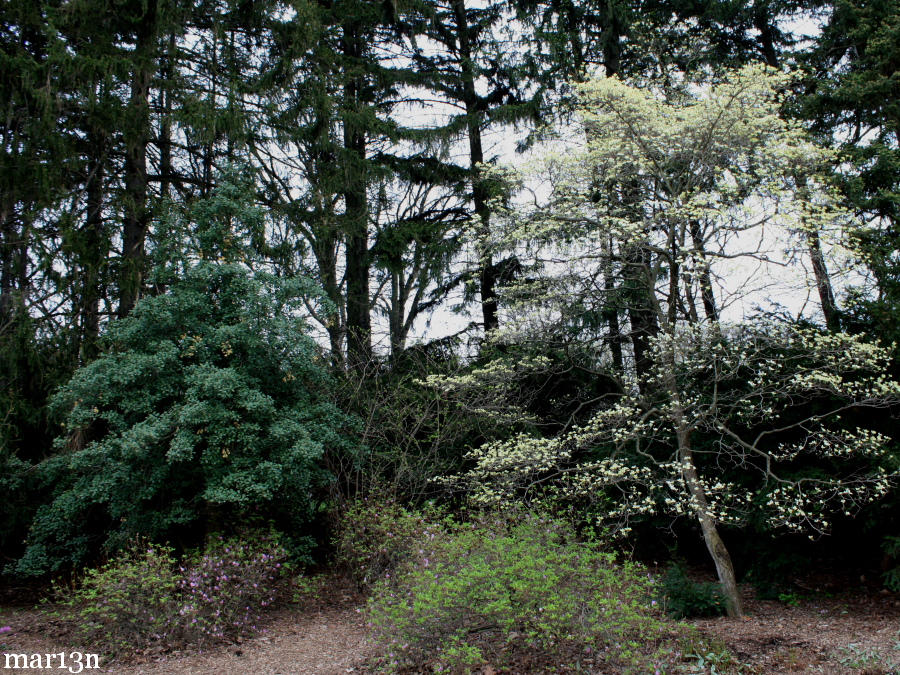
496,590
684,597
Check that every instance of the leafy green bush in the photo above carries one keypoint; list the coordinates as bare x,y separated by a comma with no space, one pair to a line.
494,590
130,602
143,597
210,407
375,535
684,597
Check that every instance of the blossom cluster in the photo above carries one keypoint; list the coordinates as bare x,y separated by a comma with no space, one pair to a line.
721,387
226,590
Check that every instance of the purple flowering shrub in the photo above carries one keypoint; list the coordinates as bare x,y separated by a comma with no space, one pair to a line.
225,591
144,597
375,535
500,590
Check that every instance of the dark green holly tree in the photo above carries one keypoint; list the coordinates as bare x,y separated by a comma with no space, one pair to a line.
208,410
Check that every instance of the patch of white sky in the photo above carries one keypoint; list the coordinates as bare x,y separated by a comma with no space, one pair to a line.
777,277
763,268
420,108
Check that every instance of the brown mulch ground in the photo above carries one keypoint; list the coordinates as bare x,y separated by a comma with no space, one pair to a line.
324,634
851,633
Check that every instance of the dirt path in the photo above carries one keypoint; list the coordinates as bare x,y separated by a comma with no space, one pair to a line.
328,639
326,642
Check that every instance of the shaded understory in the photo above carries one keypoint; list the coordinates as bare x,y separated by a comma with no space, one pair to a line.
824,630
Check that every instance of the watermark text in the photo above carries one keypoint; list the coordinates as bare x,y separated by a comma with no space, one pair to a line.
72,662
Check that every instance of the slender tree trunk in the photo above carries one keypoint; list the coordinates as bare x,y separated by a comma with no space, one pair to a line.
641,316
359,329
137,136
823,282
92,257
612,63
820,269
714,544
614,336
636,257
706,287
166,169
212,132
674,286
763,24
325,250
692,315
487,272
700,504
611,311
16,372
8,244
396,316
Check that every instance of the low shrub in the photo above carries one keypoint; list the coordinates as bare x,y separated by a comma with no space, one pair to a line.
773,563
683,597
130,602
375,535
143,597
497,591
225,591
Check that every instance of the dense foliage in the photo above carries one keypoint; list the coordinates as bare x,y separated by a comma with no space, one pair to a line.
685,597
375,536
493,589
210,408
262,261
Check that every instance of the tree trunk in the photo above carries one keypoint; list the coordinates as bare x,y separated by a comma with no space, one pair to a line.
706,288
359,329
766,35
137,136
820,270
823,282
209,147
8,275
611,313
636,258
325,250
166,170
92,257
396,314
714,544
641,316
487,273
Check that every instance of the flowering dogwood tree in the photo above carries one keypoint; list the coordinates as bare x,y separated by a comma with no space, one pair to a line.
735,414
669,194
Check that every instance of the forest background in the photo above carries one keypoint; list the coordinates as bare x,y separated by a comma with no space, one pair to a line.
225,227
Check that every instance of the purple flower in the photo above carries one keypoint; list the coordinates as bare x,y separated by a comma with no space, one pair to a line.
6,629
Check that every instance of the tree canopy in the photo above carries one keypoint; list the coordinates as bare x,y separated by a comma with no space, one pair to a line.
260,258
